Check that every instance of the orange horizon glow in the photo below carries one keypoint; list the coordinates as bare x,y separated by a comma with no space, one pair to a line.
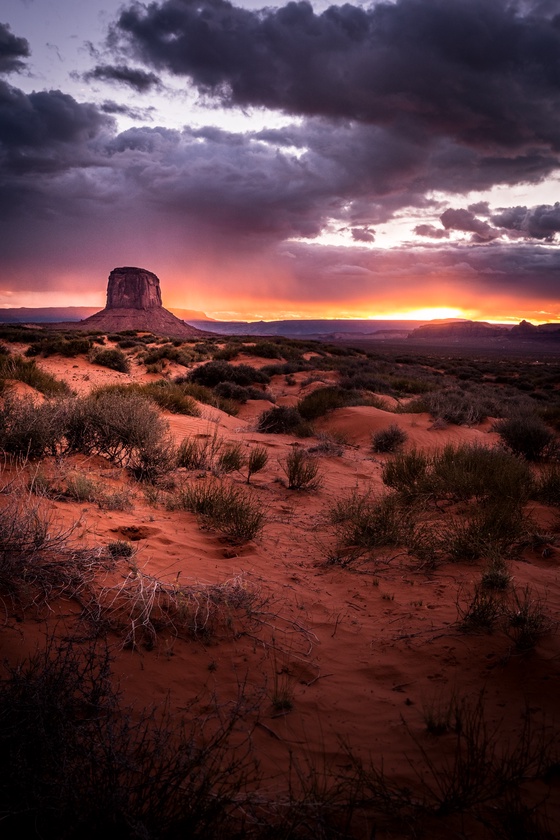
245,308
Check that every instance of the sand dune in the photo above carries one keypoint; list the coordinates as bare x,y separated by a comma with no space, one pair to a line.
361,652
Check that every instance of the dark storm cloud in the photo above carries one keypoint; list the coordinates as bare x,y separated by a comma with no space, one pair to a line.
466,221
363,234
12,50
541,222
482,73
45,131
410,98
481,208
140,80
432,231
401,113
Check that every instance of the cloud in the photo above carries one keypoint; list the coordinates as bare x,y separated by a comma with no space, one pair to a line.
141,114
397,100
464,220
363,234
45,131
431,231
12,50
139,80
541,222
520,273
484,74
225,209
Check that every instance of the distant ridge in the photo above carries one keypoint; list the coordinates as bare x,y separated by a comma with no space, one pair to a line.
543,332
459,330
57,314
477,331
321,328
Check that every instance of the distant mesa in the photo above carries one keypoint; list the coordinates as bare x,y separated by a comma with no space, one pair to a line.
542,332
469,331
458,331
134,303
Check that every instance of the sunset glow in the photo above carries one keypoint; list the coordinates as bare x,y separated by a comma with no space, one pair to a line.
429,313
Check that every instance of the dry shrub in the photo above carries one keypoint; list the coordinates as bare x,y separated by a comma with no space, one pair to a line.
366,522
150,463
232,510
18,368
120,548
497,527
389,439
321,402
481,613
460,473
210,452
193,454
455,405
32,431
470,471
241,393
257,461
125,428
283,420
481,777
329,445
527,619
212,373
230,459
112,358
37,559
75,762
207,396
546,487
121,499
520,613
406,473
169,396
526,435
143,606
80,488
302,470
496,575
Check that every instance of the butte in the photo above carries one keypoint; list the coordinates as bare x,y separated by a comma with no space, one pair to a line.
134,303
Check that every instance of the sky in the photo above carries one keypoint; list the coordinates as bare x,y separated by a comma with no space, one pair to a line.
393,159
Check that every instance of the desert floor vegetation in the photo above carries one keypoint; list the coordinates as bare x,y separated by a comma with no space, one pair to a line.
213,626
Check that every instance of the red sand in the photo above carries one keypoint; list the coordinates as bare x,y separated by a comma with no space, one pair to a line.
360,652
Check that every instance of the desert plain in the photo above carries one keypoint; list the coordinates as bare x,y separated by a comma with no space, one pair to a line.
372,657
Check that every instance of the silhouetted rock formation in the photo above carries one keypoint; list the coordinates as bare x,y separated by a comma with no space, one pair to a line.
476,331
458,331
134,303
543,332
133,288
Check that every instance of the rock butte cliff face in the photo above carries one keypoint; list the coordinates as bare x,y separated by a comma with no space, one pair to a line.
133,288
134,303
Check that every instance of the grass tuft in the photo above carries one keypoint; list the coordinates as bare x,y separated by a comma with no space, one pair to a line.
389,439
230,509
302,470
